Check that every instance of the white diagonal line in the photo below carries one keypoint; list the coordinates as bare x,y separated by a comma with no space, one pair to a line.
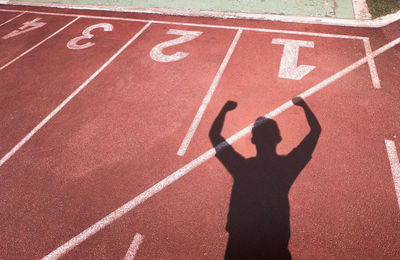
15,17
68,99
371,64
134,247
121,211
207,98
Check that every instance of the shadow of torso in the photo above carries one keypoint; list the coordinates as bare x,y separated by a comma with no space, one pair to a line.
259,199
258,218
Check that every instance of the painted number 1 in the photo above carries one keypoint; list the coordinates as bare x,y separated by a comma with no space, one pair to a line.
289,68
157,55
73,44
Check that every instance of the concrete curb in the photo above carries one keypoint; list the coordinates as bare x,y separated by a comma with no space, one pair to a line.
376,23
361,11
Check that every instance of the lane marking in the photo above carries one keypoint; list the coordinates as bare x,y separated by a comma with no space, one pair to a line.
68,99
207,98
6,22
26,27
371,64
327,35
157,54
134,247
288,68
86,34
127,207
394,165
38,44
12,10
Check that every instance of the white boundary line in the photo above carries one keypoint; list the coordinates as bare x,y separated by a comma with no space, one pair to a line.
134,247
202,25
124,209
60,106
38,44
371,64
6,22
379,22
394,165
207,98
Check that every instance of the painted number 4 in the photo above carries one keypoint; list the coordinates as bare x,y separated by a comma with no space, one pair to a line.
28,26
157,55
86,34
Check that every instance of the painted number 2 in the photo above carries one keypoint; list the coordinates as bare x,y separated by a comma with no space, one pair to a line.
156,53
73,44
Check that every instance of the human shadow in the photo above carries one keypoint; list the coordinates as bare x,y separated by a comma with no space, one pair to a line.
258,218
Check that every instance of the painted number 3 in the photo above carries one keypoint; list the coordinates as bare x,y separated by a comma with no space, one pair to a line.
73,44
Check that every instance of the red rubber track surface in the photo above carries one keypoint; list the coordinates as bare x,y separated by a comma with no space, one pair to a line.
120,135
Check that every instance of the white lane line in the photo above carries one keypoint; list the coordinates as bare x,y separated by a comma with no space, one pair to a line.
6,22
207,98
11,10
134,247
328,35
38,44
60,106
121,211
394,165
371,64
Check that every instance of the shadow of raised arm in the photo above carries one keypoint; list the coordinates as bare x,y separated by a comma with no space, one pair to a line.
308,144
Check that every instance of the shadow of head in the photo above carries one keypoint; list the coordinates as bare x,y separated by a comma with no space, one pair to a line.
265,133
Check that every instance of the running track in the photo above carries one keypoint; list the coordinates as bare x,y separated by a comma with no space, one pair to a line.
104,132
